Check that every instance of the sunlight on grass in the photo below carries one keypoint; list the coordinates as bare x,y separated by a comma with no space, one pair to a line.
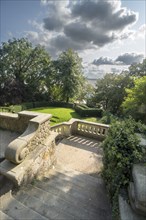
60,114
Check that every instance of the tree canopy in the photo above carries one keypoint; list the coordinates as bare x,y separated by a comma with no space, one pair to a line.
23,67
138,70
69,74
135,102
110,91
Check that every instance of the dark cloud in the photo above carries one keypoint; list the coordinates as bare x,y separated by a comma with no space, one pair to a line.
52,24
90,10
103,13
124,59
103,61
81,32
63,42
128,59
95,23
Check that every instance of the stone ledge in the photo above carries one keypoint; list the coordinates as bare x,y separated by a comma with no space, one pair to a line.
139,178
126,213
36,132
36,163
136,206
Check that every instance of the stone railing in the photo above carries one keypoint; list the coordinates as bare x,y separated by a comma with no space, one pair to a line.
38,128
16,122
84,128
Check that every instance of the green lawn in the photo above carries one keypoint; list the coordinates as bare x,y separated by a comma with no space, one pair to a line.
61,114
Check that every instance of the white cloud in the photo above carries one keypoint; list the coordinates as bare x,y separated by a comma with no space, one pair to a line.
83,24
92,28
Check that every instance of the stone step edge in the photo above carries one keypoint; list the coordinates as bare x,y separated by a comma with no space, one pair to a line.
73,173
26,198
10,197
62,199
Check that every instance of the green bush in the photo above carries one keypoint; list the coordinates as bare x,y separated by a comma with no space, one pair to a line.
109,118
121,150
40,104
31,105
88,112
27,105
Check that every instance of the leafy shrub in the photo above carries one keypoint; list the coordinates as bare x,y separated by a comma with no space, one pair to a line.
27,105
121,150
88,112
31,105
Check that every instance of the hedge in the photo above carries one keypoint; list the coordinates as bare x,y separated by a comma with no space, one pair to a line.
88,112
31,105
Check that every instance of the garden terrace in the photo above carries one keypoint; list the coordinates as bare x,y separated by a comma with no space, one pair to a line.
59,168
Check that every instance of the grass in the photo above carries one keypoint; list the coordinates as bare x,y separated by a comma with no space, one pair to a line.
60,114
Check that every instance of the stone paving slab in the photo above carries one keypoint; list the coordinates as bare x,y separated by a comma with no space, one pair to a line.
80,154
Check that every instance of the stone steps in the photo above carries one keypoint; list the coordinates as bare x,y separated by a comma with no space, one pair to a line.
64,181
61,197
34,201
3,216
16,210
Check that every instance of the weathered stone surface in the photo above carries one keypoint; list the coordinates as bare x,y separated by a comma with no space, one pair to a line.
137,207
15,209
62,193
126,212
37,163
37,131
80,154
5,138
84,128
59,198
139,178
3,216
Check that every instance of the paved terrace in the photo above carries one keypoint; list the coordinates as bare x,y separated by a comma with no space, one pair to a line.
72,189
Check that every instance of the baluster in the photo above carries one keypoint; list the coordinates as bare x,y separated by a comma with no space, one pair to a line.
78,127
103,132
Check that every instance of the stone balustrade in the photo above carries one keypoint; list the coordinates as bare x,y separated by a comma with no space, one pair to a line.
62,129
80,127
33,152
38,128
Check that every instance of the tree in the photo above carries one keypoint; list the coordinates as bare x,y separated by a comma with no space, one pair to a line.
69,74
110,91
85,92
23,69
138,70
135,102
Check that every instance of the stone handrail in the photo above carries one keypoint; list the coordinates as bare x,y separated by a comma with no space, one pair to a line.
62,129
84,128
38,129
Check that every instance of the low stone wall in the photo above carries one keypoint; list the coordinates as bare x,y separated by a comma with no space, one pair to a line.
16,122
37,127
38,162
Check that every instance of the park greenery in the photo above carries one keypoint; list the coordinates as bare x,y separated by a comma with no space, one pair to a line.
29,74
31,79
121,149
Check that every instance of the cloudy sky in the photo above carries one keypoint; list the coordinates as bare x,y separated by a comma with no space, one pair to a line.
109,35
